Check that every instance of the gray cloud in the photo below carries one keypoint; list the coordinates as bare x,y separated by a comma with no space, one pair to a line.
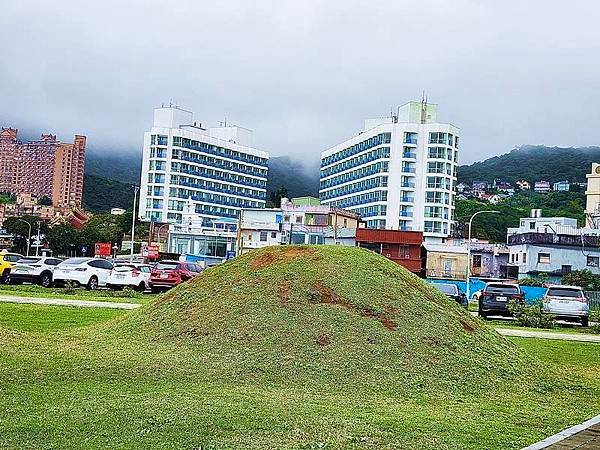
303,75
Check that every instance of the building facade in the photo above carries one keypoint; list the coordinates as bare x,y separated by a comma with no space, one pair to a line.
542,187
592,197
46,167
402,247
399,173
561,186
553,245
216,168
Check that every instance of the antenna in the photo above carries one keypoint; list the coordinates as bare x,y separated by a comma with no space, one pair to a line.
423,108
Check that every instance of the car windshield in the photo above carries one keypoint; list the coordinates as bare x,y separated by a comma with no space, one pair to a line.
29,260
565,292
501,289
75,261
447,288
166,266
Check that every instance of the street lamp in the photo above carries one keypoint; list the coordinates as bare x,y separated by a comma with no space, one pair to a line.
29,235
469,249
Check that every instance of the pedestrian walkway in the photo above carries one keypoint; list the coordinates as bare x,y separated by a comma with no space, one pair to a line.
65,302
585,436
580,337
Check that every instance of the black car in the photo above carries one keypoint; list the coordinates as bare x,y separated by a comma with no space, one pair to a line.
452,291
495,298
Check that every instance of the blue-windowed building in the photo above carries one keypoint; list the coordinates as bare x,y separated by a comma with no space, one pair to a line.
216,168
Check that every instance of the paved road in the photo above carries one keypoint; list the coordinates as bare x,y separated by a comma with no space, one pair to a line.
581,337
65,302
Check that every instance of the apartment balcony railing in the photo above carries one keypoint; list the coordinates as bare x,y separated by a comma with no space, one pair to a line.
410,140
408,184
408,170
409,155
406,213
407,199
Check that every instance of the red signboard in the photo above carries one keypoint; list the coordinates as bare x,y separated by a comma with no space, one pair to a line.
152,251
102,249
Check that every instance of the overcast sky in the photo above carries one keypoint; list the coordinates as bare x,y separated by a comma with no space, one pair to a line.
304,74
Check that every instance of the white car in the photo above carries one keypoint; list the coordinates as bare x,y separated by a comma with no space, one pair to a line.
567,303
88,272
34,269
136,276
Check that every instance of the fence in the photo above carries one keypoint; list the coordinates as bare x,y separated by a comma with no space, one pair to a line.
593,300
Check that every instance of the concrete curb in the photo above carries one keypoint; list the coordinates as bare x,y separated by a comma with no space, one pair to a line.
65,302
580,337
558,437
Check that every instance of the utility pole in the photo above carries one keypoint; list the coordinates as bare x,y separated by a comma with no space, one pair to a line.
133,223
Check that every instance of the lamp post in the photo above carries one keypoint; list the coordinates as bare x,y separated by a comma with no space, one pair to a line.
37,245
29,235
133,223
469,250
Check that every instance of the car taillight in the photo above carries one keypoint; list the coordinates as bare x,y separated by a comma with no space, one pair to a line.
81,269
583,299
135,273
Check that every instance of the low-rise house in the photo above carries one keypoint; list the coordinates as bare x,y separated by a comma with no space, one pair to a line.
542,187
490,260
462,187
480,187
402,247
552,245
561,186
446,261
523,185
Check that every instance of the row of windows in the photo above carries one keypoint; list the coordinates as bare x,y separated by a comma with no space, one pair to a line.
443,138
439,183
157,152
437,212
371,211
441,153
356,174
437,197
214,186
216,211
215,198
382,138
362,185
433,226
367,197
191,144
378,153
215,162
441,167
376,223
159,139
223,176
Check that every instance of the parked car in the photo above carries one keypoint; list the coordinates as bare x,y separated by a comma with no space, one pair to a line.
567,303
136,276
7,261
452,291
88,272
495,298
34,269
167,274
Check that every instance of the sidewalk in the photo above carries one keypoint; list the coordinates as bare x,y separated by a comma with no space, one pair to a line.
65,302
581,337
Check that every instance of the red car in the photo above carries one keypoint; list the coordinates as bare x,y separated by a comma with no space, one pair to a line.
167,274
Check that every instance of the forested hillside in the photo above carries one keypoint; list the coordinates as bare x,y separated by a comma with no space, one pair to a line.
533,163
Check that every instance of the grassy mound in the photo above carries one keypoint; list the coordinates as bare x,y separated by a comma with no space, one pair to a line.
330,313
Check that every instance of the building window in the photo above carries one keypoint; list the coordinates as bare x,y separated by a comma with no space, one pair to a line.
566,269
593,261
403,251
532,225
286,218
524,257
298,219
543,258
273,234
476,260
263,236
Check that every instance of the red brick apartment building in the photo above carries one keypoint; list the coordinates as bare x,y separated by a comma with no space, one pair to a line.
402,247
44,167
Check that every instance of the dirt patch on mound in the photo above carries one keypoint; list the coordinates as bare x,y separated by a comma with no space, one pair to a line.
284,290
269,257
469,328
321,294
323,340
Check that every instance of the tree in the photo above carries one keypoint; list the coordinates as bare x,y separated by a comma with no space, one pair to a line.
63,238
276,196
45,201
18,228
582,278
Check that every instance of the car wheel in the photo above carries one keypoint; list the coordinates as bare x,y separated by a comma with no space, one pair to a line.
93,283
585,321
46,280
5,276
141,287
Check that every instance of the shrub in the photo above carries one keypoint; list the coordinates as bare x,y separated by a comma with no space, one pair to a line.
538,281
531,315
69,288
582,278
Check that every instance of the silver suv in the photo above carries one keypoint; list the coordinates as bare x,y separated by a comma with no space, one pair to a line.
567,303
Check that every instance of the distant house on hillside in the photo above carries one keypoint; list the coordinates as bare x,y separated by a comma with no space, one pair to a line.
501,185
542,187
462,187
479,187
523,185
561,186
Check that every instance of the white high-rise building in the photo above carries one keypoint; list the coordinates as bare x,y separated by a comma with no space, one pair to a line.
215,168
399,173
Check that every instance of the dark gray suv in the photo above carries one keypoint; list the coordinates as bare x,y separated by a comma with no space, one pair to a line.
495,298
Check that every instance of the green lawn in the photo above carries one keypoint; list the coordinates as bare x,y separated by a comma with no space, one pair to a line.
102,295
41,318
87,387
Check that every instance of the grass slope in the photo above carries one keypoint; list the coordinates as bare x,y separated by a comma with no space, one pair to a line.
300,348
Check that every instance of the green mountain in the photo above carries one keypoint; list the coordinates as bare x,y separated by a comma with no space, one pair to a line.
101,194
534,163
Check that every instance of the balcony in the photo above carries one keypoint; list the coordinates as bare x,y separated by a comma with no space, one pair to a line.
408,184
407,199
406,213
410,140
408,170
409,155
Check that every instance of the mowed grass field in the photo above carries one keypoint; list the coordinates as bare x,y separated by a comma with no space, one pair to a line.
60,390
136,380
